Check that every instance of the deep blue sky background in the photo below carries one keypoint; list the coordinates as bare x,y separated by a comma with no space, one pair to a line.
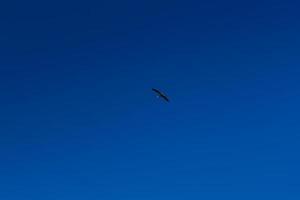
79,120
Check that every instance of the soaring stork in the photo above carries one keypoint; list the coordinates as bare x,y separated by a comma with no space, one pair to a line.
159,94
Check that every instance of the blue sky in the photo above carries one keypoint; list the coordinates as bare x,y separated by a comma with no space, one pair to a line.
79,119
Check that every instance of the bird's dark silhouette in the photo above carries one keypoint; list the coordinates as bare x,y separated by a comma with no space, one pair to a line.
161,95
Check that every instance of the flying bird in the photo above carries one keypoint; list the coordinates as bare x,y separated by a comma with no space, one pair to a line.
159,94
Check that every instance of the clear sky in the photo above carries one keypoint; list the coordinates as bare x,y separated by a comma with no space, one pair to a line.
79,120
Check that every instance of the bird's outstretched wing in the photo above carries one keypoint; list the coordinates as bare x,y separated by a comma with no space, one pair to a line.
160,94
165,98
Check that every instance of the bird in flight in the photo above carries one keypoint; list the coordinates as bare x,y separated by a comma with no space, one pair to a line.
159,94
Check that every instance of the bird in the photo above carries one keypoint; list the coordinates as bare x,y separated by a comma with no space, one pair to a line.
159,94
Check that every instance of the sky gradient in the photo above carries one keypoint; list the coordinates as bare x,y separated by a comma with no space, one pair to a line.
79,121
